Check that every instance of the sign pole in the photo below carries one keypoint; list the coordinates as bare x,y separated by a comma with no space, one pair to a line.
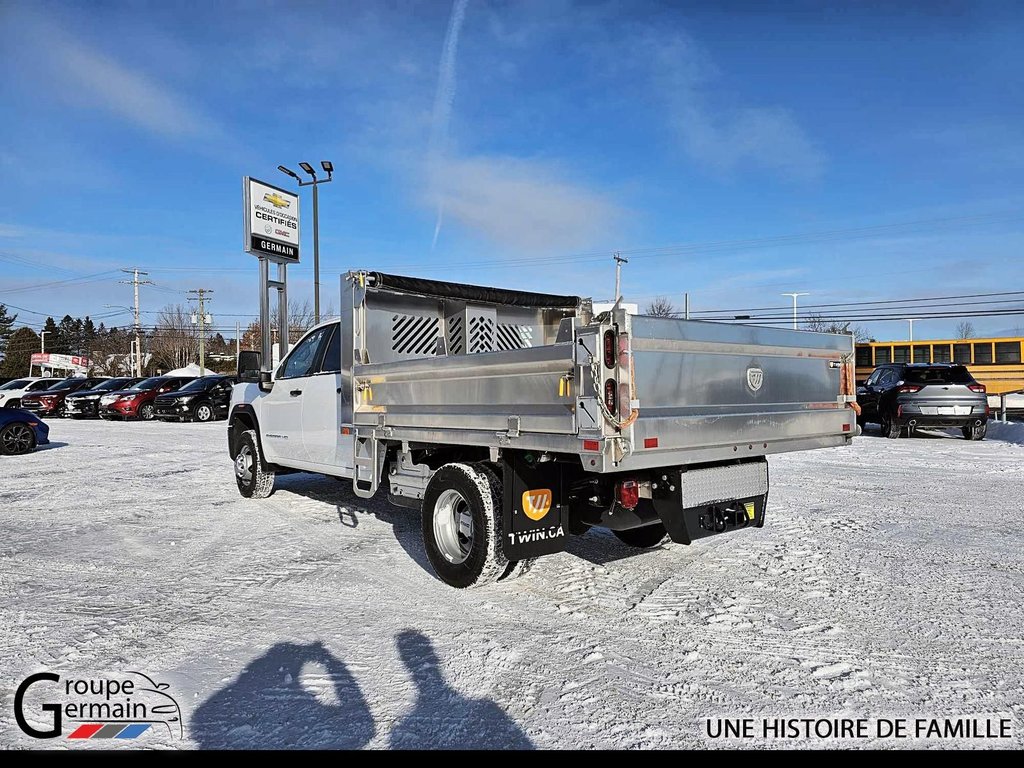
282,310
265,345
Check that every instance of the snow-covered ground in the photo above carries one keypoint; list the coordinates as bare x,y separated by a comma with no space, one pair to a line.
888,581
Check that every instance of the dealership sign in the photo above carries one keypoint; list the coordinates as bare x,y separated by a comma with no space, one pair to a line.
271,221
63,362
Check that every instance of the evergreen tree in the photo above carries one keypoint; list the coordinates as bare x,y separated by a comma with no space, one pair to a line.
6,323
20,346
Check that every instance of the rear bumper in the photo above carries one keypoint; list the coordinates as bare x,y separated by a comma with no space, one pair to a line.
697,503
955,414
921,420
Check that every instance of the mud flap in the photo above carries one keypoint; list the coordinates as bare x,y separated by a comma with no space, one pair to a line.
707,501
535,519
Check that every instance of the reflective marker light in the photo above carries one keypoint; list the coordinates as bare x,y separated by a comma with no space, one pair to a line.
652,442
591,445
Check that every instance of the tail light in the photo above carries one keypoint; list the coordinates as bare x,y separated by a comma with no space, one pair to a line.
609,349
908,389
979,388
628,493
610,395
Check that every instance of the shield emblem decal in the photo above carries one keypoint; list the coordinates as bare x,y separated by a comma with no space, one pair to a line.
755,378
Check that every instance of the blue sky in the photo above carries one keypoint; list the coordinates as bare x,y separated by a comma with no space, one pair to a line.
698,138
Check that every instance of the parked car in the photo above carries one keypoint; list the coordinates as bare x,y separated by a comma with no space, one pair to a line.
136,402
12,392
203,399
21,431
86,403
903,396
51,402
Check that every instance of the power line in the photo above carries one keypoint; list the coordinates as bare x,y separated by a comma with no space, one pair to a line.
864,303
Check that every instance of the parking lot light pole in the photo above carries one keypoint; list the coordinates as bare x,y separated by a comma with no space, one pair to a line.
911,321
328,167
795,296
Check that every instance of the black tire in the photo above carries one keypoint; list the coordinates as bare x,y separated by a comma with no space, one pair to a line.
464,547
643,538
12,404
890,428
62,411
147,412
17,438
203,412
972,432
254,480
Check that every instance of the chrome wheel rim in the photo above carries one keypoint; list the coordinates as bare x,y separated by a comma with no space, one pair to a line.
146,412
17,438
203,413
243,464
453,526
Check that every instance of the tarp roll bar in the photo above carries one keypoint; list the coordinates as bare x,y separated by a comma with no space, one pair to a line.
446,290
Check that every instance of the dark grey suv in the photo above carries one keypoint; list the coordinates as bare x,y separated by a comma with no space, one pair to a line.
903,396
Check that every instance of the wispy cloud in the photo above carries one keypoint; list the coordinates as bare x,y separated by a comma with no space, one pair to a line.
523,204
86,76
444,100
727,139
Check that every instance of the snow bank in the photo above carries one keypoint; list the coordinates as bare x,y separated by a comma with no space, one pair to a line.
1011,432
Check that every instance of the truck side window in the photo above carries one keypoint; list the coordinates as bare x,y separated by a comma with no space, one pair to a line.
302,359
332,357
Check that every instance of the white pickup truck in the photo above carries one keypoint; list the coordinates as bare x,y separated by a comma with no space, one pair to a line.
513,420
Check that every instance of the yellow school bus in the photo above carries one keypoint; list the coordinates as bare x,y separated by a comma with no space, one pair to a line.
996,363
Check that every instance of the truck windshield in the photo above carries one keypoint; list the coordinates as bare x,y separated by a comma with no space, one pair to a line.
952,374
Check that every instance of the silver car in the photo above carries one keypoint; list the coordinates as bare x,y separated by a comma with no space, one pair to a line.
903,396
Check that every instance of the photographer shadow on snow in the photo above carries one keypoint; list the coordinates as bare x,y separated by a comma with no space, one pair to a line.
272,705
442,718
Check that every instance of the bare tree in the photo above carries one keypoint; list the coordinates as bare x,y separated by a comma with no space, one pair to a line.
965,330
824,325
174,342
300,320
661,307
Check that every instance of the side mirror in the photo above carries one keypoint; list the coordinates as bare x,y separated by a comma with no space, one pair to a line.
248,369
266,381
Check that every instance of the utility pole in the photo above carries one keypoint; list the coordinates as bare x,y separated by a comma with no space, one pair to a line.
686,306
619,261
795,296
911,321
238,341
135,282
201,319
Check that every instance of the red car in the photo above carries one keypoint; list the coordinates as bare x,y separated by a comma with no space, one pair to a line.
137,402
50,402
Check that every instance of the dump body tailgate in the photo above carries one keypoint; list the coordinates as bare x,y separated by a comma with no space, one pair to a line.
707,391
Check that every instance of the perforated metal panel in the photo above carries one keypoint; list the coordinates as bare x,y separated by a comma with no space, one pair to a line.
481,330
456,334
513,336
414,334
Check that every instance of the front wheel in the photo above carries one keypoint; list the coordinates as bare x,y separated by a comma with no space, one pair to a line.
146,412
254,480
462,526
203,412
643,538
975,432
16,439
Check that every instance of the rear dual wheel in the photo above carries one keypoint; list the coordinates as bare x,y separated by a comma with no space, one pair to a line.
462,527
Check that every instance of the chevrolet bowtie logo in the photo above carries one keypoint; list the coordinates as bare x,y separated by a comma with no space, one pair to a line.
276,200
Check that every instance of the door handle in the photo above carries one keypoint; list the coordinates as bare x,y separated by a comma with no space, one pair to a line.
295,392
